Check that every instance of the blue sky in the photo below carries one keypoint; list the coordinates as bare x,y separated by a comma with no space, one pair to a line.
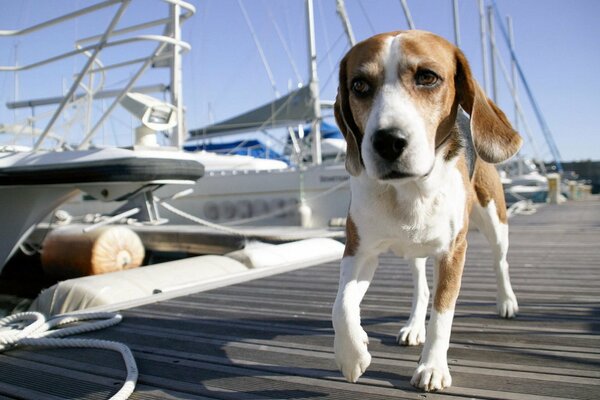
557,42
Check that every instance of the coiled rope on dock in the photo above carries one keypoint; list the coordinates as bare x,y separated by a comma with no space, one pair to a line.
32,329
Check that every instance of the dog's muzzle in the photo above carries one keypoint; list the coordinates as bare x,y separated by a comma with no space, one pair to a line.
389,144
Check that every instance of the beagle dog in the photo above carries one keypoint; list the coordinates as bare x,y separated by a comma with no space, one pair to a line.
419,171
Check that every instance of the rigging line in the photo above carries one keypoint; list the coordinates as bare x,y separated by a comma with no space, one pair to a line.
324,28
259,48
538,113
337,41
340,7
271,136
286,49
238,147
333,71
409,20
517,102
366,15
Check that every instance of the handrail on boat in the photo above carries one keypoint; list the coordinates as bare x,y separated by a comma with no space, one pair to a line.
58,20
189,11
181,11
156,38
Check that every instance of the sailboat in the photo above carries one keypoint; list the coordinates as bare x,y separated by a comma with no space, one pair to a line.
308,188
305,188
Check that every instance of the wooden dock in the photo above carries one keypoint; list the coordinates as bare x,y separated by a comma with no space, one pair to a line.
272,338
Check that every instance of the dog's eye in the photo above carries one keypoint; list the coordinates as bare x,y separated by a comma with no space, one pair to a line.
361,88
426,77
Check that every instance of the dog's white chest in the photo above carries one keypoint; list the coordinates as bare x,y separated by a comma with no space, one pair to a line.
406,221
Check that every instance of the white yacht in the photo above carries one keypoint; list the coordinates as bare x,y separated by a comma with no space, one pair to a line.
35,180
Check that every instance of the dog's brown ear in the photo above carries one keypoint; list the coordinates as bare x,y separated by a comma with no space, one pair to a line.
346,123
494,138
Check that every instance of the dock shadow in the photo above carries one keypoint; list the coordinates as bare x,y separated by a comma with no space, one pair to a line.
258,358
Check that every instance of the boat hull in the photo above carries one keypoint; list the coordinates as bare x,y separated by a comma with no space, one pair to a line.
314,196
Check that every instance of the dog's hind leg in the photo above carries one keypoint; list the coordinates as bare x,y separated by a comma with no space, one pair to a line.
350,342
487,220
413,333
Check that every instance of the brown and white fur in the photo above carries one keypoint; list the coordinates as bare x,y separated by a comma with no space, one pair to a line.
397,104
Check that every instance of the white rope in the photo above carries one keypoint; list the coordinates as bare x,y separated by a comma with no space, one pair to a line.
288,208
244,234
32,329
223,228
197,220
521,207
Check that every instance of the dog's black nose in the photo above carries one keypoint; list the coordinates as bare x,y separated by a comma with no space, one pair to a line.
388,144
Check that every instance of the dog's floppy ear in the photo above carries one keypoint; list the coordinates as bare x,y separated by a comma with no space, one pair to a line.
346,123
493,137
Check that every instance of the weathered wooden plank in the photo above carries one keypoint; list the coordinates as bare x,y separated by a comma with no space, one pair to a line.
272,338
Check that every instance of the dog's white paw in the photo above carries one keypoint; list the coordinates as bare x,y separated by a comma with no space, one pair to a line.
412,334
351,354
431,377
507,305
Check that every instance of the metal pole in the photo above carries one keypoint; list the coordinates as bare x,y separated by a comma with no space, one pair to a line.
493,54
484,55
456,23
16,77
513,68
103,94
341,10
178,132
78,79
87,139
33,119
409,20
286,48
314,84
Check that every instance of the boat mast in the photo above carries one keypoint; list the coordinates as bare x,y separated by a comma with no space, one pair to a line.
16,88
341,10
409,20
177,134
493,54
513,69
314,84
484,56
456,23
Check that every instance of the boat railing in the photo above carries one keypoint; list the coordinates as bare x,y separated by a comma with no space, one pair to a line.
169,47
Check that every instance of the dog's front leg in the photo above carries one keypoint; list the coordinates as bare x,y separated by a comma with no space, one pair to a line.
350,343
432,372
413,333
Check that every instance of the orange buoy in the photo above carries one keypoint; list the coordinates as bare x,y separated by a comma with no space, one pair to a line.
69,252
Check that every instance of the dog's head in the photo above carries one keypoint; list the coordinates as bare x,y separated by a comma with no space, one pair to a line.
397,102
